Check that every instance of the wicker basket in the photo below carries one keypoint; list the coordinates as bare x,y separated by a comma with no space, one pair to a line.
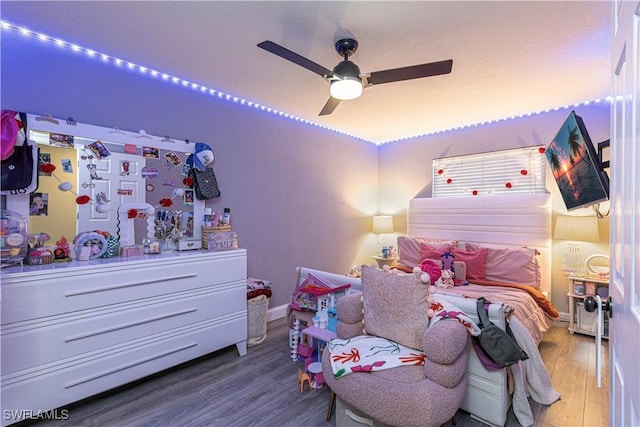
208,230
257,320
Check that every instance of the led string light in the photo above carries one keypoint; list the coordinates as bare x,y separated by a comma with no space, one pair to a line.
121,63
607,99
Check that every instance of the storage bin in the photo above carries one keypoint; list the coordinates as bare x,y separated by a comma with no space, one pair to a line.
348,416
587,321
257,320
206,231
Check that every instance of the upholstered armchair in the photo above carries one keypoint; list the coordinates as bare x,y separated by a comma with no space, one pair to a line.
425,395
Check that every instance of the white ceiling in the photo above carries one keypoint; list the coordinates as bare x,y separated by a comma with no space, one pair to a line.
509,58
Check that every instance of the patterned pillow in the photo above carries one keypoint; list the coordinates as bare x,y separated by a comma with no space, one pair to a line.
395,306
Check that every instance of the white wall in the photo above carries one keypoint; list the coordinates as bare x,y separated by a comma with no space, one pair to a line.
405,169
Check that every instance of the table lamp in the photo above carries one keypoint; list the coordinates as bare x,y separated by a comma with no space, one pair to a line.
575,229
382,225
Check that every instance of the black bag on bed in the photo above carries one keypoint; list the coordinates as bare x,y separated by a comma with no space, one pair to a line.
498,345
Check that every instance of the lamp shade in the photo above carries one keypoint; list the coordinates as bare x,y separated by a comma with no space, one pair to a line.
347,88
577,228
382,224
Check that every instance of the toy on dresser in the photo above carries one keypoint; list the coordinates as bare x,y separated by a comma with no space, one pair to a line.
13,237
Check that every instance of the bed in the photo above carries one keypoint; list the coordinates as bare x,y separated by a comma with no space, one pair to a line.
510,222
506,224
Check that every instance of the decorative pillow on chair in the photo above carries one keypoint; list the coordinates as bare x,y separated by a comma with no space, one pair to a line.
395,306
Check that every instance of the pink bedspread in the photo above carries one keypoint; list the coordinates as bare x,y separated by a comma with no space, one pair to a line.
523,306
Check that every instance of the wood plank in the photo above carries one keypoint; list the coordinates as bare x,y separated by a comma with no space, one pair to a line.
259,389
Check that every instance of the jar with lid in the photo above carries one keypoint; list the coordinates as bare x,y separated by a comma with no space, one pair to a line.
146,244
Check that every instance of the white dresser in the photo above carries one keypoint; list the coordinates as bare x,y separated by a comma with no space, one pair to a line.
72,330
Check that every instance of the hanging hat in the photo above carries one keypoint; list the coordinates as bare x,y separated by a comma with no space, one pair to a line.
202,157
10,130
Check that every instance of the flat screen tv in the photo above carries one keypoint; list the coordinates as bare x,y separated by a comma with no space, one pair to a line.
576,167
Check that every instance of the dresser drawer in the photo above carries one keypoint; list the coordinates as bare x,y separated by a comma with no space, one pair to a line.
29,344
59,385
65,290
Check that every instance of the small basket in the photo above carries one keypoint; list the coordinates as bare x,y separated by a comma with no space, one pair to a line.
206,231
257,309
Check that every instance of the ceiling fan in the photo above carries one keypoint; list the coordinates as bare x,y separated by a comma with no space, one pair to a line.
346,80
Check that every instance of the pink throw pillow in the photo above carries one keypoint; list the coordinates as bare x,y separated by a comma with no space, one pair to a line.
513,265
475,262
434,250
408,251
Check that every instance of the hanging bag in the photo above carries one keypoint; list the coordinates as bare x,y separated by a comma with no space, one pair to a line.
205,184
498,345
20,166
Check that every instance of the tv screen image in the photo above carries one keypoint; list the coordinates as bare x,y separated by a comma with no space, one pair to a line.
575,165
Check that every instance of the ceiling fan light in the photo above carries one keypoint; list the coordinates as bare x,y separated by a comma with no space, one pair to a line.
346,88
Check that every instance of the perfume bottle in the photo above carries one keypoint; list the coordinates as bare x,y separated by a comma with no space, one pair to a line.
226,216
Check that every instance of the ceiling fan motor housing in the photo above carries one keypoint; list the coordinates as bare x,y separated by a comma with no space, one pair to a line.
347,69
346,47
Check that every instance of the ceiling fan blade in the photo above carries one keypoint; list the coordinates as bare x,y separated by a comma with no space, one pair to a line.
412,72
331,105
285,53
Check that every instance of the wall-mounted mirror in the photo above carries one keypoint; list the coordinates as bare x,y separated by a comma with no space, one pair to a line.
111,167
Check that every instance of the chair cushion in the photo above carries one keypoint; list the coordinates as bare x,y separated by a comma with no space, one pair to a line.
395,306
401,396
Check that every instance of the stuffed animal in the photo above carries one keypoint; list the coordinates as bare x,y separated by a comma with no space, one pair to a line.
431,268
448,262
445,280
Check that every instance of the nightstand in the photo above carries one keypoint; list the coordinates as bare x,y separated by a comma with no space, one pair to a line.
580,320
390,261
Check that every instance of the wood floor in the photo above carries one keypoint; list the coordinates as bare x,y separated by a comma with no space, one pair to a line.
259,389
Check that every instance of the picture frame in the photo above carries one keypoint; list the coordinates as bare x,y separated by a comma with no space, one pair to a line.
589,288
44,159
99,150
578,288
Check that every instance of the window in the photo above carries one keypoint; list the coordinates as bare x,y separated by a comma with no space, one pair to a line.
520,170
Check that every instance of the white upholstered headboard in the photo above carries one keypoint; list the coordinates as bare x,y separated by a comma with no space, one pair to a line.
514,220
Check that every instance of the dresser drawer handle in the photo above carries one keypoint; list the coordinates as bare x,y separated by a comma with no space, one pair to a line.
129,365
129,325
128,285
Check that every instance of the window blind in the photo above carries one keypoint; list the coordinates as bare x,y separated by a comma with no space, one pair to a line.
515,171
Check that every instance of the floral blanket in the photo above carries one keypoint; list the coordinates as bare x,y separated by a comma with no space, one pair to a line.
366,353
